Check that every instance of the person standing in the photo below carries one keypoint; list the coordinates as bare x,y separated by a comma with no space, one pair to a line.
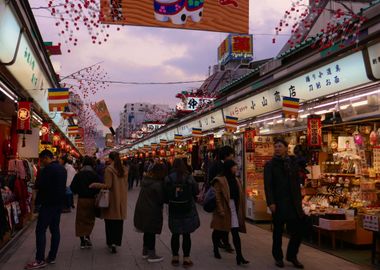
283,196
116,181
69,202
51,187
225,153
85,216
148,212
229,214
181,191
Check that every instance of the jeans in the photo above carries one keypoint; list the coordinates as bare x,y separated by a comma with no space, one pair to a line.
186,244
150,241
295,231
49,217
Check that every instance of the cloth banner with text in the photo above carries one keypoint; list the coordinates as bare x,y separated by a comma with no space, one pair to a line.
101,110
24,114
229,16
314,131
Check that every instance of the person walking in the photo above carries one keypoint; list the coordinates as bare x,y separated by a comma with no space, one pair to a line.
225,153
181,191
283,196
85,216
51,187
229,214
148,217
69,201
116,181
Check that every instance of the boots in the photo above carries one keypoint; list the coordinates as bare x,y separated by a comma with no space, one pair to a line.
153,257
216,253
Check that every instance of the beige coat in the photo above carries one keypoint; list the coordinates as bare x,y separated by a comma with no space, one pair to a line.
118,187
221,218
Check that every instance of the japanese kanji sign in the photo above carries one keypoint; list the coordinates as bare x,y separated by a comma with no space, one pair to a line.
230,16
24,114
236,47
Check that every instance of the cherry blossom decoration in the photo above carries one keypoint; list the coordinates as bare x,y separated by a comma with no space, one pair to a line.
88,81
343,28
72,16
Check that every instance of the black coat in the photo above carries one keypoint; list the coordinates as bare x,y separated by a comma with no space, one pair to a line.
81,182
149,206
51,185
282,187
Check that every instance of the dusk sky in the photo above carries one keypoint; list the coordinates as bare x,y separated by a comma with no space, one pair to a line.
154,54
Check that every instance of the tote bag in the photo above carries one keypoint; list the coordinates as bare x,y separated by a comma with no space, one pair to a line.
103,199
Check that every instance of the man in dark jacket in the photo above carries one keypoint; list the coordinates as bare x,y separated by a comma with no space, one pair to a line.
283,195
225,153
51,186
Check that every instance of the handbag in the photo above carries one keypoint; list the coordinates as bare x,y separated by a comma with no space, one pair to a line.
209,202
103,199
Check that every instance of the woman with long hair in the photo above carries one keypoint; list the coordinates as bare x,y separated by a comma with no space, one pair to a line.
116,181
181,191
85,216
230,208
148,217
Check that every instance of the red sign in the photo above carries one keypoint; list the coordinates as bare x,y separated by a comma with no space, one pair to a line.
63,144
249,140
24,114
314,131
56,139
242,44
45,130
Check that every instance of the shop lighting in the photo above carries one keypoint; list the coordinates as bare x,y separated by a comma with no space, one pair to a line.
8,94
361,95
356,104
271,118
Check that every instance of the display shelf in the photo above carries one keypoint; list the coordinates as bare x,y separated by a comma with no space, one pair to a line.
342,174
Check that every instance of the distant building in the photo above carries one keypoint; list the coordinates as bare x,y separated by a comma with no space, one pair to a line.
135,114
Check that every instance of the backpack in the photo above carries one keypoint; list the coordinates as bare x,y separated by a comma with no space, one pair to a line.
180,197
209,201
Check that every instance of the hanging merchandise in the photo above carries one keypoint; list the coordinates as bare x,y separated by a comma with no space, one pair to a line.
24,114
358,138
56,139
314,131
45,132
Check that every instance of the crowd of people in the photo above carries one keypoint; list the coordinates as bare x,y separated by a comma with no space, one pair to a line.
163,183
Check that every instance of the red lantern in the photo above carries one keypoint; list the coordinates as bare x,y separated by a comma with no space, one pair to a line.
63,144
45,132
56,139
68,148
190,146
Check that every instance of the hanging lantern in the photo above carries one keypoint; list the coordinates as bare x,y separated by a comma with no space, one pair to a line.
162,152
45,133
56,139
154,153
68,148
63,144
190,146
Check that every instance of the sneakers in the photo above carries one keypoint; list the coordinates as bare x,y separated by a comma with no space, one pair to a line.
36,265
153,257
187,262
50,261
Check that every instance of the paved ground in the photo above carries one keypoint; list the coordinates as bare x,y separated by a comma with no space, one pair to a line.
256,248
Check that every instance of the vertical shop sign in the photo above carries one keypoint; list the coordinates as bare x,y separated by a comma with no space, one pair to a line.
24,114
45,132
249,137
314,131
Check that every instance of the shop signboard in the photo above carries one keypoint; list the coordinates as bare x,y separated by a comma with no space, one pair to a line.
187,129
229,16
211,121
374,58
328,79
236,47
314,131
26,69
192,103
170,134
24,114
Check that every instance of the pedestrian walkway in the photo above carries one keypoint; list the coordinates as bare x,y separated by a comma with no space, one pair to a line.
256,248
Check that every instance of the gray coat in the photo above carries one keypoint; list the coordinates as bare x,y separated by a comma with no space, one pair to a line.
149,206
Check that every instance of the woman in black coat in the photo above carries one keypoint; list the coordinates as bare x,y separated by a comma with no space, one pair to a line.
148,212
181,191
85,217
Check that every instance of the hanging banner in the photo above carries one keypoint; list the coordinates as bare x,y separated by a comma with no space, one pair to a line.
290,107
229,16
24,114
45,132
58,99
249,140
197,132
314,131
231,123
101,110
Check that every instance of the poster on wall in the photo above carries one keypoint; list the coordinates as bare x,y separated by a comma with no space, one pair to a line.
229,16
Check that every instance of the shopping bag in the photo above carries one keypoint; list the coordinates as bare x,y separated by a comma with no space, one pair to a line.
103,199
